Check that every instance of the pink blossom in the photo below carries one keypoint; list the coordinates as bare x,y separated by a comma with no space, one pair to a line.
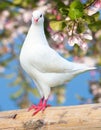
71,41
92,10
5,13
58,38
84,46
41,2
95,92
87,36
10,25
69,32
1,26
66,2
94,86
60,48
95,8
21,29
98,34
74,40
98,4
54,11
99,100
27,16
14,34
99,90
79,39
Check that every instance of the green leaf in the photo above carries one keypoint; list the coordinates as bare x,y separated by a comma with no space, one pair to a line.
4,5
74,14
96,16
89,19
81,27
77,5
50,16
76,10
57,25
59,4
17,1
64,11
95,26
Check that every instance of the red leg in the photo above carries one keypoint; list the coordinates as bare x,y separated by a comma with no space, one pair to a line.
36,106
32,107
37,110
42,107
41,101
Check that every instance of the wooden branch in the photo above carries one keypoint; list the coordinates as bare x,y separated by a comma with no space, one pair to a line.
82,117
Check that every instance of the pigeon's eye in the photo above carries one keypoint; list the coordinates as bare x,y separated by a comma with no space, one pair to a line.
40,15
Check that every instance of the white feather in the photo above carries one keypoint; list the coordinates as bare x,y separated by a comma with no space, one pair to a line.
44,65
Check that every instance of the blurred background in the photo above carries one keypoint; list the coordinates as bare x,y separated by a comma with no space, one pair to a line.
73,29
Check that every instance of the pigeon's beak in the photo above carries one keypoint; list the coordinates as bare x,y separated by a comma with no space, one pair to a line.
36,20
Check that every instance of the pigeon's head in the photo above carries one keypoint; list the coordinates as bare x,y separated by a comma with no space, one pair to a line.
37,17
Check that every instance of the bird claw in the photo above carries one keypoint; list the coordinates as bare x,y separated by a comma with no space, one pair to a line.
36,106
40,107
32,107
37,110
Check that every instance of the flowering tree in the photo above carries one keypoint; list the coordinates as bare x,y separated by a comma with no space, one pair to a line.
73,28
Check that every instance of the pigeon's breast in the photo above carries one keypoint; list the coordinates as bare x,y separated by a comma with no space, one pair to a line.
27,59
24,60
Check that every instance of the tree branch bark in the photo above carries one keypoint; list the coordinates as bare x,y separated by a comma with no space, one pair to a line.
82,117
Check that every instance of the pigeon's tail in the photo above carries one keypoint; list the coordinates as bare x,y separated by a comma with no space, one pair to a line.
81,68
91,68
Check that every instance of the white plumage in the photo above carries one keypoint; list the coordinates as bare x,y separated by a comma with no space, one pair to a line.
44,65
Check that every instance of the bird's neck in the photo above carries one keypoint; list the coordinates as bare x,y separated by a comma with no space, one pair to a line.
36,32
37,28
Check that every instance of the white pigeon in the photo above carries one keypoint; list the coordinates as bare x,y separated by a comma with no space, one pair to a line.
43,64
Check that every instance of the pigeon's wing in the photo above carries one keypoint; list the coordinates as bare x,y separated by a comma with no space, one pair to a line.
49,61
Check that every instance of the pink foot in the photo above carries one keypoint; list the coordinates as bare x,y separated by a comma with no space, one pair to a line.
32,107
42,107
36,106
